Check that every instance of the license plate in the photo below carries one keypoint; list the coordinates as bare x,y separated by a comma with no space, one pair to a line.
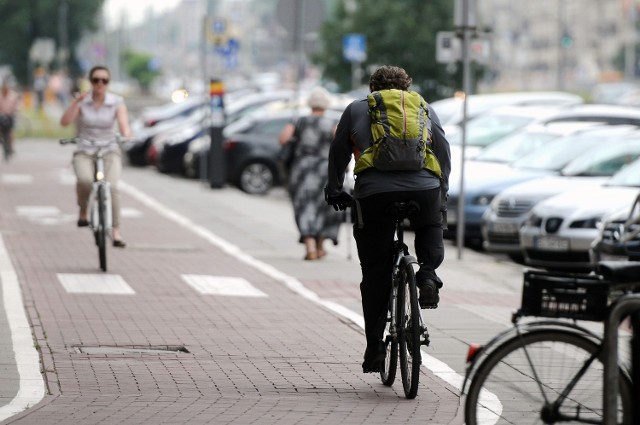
551,243
506,227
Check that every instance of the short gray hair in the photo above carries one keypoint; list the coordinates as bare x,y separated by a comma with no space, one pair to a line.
319,98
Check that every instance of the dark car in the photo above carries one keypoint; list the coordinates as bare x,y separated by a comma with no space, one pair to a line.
167,150
136,150
251,147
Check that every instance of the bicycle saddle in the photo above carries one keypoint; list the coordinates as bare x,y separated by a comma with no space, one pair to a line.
401,210
619,271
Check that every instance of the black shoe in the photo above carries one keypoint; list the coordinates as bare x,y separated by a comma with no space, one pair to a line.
374,358
119,243
429,294
82,222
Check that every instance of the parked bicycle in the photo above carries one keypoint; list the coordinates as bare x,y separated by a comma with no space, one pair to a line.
100,219
405,332
553,370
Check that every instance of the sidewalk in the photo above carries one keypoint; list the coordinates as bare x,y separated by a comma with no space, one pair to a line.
199,319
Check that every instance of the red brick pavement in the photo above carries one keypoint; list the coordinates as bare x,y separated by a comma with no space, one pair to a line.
281,359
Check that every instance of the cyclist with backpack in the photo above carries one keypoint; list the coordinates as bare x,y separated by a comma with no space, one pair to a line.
401,154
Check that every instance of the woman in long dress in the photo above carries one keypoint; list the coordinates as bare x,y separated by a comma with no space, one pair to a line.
315,219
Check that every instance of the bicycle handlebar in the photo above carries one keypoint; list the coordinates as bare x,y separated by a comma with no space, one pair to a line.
74,140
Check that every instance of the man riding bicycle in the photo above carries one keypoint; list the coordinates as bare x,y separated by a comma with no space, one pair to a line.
374,190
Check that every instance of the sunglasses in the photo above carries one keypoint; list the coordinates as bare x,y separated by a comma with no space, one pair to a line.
100,80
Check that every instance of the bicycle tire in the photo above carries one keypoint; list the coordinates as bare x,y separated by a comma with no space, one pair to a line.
509,381
409,331
388,372
101,230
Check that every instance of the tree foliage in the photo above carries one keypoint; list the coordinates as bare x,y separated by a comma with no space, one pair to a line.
140,67
23,21
399,32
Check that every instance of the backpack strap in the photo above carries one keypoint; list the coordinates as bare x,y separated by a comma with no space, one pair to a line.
381,115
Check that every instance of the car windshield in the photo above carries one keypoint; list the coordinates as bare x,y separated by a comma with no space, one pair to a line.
486,129
554,156
604,160
515,146
628,176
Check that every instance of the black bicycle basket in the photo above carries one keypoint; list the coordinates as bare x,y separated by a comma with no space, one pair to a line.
573,296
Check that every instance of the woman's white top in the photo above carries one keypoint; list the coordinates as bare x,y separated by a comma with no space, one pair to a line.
97,123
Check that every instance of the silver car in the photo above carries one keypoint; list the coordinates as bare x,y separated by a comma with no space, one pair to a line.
615,147
559,231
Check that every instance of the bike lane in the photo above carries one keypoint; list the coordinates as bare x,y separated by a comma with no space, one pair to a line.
262,346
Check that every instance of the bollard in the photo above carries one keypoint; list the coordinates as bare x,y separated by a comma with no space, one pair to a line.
217,171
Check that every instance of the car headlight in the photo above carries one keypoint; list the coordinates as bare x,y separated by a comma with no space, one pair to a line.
533,220
483,200
589,223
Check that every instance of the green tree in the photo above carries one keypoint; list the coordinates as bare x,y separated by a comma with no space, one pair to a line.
399,32
23,21
141,67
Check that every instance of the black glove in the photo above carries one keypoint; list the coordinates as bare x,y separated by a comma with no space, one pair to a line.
339,200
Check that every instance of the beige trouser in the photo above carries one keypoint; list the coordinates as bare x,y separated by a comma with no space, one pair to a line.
84,169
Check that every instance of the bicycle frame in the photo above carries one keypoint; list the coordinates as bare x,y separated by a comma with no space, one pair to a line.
100,180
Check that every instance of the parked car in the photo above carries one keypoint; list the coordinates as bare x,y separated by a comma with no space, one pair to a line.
247,104
153,115
618,236
170,154
450,110
559,231
493,125
483,181
251,147
501,222
136,149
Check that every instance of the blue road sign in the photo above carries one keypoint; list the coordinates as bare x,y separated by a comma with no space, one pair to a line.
354,47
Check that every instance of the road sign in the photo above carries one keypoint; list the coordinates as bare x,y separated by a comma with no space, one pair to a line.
449,48
217,30
354,47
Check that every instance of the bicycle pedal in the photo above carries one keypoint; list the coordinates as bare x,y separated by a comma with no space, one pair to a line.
425,342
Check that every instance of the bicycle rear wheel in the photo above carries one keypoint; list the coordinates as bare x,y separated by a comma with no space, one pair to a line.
388,373
537,378
101,231
409,331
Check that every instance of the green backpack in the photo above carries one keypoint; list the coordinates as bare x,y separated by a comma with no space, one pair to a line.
401,131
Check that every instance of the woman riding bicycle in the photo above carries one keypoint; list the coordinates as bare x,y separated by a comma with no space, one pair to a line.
95,114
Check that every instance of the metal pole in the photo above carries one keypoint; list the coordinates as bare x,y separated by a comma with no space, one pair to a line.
466,87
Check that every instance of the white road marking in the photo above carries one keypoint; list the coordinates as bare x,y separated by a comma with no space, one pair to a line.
222,285
130,213
44,214
17,178
37,211
437,367
31,385
109,284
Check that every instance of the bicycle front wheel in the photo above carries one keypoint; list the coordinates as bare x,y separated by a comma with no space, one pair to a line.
101,230
409,331
542,377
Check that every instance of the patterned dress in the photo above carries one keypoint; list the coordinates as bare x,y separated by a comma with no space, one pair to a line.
308,177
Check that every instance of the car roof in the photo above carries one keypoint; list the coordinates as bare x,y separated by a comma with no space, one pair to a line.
450,112
592,110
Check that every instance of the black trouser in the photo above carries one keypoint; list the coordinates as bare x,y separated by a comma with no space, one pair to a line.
375,249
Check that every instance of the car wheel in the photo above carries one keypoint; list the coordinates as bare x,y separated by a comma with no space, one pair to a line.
256,178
